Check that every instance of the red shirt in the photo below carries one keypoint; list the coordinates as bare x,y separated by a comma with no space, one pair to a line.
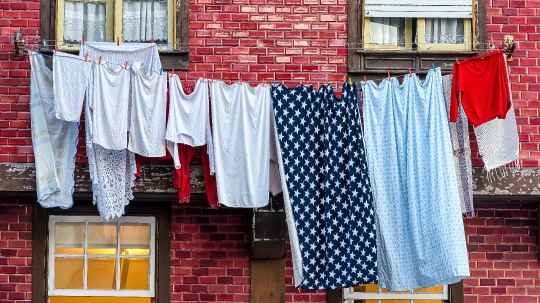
482,85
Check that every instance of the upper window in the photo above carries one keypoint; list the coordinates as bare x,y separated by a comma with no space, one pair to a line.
97,261
371,293
107,20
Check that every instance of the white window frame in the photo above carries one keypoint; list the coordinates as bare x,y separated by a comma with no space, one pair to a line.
349,295
150,293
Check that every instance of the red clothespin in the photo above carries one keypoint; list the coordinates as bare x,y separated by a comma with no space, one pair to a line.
118,41
125,66
152,40
82,40
388,76
55,49
240,79
86,57
172,72
457,62
410,73
212,78
100,57
365,80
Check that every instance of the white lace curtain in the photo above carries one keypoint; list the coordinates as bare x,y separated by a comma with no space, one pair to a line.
84,19
144,20
444,30
387,31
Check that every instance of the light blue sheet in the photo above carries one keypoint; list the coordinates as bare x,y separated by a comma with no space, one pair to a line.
420,233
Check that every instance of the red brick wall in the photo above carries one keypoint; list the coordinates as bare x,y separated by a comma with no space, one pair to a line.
502,255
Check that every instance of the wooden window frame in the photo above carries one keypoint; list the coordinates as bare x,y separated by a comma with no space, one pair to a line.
176,59
162,213
376,62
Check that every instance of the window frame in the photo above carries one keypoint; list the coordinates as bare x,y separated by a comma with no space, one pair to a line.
150,293
40,239
408,36
350,295
170,59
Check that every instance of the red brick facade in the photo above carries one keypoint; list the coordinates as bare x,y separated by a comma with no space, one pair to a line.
292,41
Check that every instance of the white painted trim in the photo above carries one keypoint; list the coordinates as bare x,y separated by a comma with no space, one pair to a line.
109,293
349,295
418,8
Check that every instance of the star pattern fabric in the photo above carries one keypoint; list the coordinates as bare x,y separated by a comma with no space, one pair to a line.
328,197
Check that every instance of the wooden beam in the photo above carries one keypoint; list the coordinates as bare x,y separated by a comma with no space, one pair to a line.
268,280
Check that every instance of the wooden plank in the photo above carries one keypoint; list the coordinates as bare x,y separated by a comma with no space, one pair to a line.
456,292
268,280
538,233
48,20
163,265
481,26
334,295
354,35
39,247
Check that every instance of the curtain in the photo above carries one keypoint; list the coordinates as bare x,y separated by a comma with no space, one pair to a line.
84,19
445,30
144,20
387,31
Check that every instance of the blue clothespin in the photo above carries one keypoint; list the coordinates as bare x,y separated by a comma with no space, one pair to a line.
161,71
274,82
433,65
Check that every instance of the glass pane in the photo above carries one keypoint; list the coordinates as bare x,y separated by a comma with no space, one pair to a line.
144,20
134,273
445,30
102,238
68,273
101,273
436,289
99,300
135,239
84,19
387,31
69,238
427,301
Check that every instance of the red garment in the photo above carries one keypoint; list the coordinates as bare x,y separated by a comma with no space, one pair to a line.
482,85
182,177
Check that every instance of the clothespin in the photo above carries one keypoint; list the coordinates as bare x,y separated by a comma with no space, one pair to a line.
118,41
350,81
100,57
410,73
457,62
274,82
264,82
152,40
55,49
433,65
212,77
82,40
125,67
86,57
161,71
240,79
388,76
365,79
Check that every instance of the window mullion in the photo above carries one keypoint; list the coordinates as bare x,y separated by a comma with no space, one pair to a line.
118,268
118,15
85,256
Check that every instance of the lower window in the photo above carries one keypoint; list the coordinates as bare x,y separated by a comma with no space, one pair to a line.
372,293
90,260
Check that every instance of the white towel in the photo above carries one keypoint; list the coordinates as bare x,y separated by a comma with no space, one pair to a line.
70,80
189,119
148,113
54,141
241,129
110,106
275,181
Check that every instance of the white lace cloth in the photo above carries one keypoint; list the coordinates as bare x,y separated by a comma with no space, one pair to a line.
148,113
241,129
144,20
70,80
113,172
54,141
189,119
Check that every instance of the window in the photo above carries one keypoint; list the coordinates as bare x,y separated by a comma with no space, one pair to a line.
396,35
371,293
65,22
89,257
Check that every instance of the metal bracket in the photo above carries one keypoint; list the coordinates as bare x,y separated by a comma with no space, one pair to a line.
19,42
509,46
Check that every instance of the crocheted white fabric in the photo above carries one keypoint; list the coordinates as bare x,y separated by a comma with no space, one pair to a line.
112,173
70,80
241,129
54,141
189,119
148,113
111,96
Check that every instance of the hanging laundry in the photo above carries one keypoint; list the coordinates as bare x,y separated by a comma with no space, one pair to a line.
54,141
148,113
420,233
70,80
481,85
461,147
241,129
113,171
275,182
189,119
110,110
327,193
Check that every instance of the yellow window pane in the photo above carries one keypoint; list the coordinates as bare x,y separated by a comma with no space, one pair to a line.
438,289
427,301
367,288
134,273
382,301
99,300
69,238
101,273
68,273
135,239
102,238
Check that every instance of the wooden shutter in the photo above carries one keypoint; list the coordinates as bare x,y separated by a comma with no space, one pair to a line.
418,8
